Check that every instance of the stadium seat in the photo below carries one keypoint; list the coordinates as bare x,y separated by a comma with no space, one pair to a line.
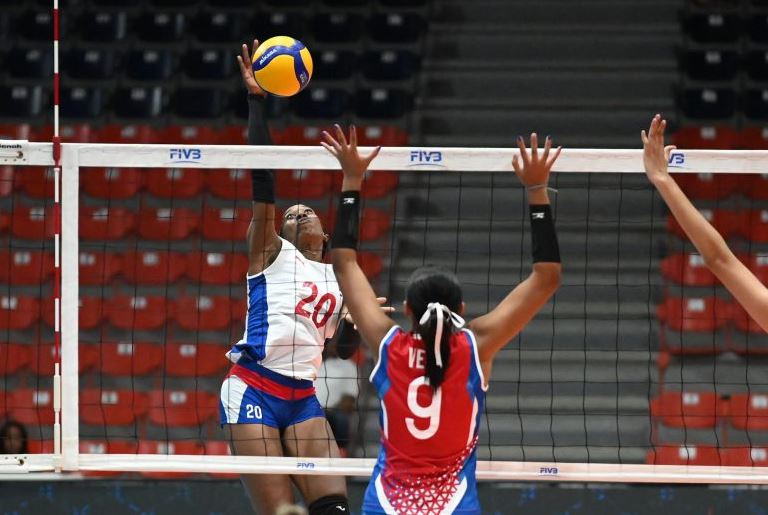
30,63
708,186
382,103
98,268
198,102
713,27
163,224
238,135
758,264
138,102
37,181
218,26
226,223
31,407
21,101
25,267
174,182
396,27
306,135
152,64
756,227
378,184
151,267
692,410
160,27
82,103
217,268
755,138
303,185
693,325
16,131
195,360
319,102
708,103
90,312
371,263
389,65
182,408
726,222
277,22
711,65
189,135
90,63
32,223
111,183
34,25
757,24
41,446
203,313
208,64
110,446
109,407
706,136
130,359
673,454
13,357
169,447
137,313
18,312
7,174
687,270
106,223
749,411
230,184
745,456
756,103
746,336
112,133
69,133
43,357
381,135
335,65
103,26
756,64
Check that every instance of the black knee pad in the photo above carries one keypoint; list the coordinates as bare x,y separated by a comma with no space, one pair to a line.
330,505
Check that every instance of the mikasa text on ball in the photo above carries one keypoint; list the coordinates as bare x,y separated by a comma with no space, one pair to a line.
282,66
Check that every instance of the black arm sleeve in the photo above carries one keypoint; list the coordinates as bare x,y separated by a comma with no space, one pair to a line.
263,182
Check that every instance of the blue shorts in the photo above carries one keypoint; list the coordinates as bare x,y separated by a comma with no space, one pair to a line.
256,396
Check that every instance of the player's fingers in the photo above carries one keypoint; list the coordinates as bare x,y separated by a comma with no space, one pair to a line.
381,300
534,147
668,151
662,128
387,309
241,64
352,136
255,46
340,135
372,155
554,157
643,137
331,141
246,55
547,147
516,165
523,150
329,148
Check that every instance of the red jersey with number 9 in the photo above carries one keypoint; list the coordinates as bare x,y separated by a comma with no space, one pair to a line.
427,459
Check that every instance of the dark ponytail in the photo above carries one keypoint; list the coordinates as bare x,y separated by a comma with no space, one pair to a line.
431,284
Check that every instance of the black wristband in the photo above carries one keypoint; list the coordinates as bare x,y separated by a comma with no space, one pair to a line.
346,232
544,246
263,186
347,339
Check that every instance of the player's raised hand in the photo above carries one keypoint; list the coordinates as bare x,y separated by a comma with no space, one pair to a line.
655,154
531,167
244,61
352,163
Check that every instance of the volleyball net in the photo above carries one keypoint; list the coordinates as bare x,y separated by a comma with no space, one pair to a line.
641,369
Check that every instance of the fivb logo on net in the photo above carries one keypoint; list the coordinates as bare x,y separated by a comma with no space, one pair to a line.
676,160
185,155
427,158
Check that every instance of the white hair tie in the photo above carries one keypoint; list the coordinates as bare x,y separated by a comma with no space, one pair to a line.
441,310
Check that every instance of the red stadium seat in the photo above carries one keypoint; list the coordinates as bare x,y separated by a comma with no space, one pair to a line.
41,446
75,133
381,135
692,410
300,186
31,407
126,134
378,184
688,270
226,223
758,264
20,131
22,267
106,447
44,356
708,186
234,135
233,184
374,224
18,312
111,183
371,264
171,447
108,407
174,182
32,223
180,408
702,314
674,454
706,137
755,187
97,268
153,267
195,360
204,313
165,224
749,411
137,313
36,181
90,313
13,357
106,223
7,174
745,456
754,138
219,448
746,337
130,359
726,222
756,228
189,135
217,268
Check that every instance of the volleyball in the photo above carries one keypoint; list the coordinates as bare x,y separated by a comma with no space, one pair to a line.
282,66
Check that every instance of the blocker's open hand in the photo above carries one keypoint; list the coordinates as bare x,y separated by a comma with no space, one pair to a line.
531,168
655,154
244,61
352,163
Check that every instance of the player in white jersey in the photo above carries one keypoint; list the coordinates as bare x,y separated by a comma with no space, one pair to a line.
268,402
